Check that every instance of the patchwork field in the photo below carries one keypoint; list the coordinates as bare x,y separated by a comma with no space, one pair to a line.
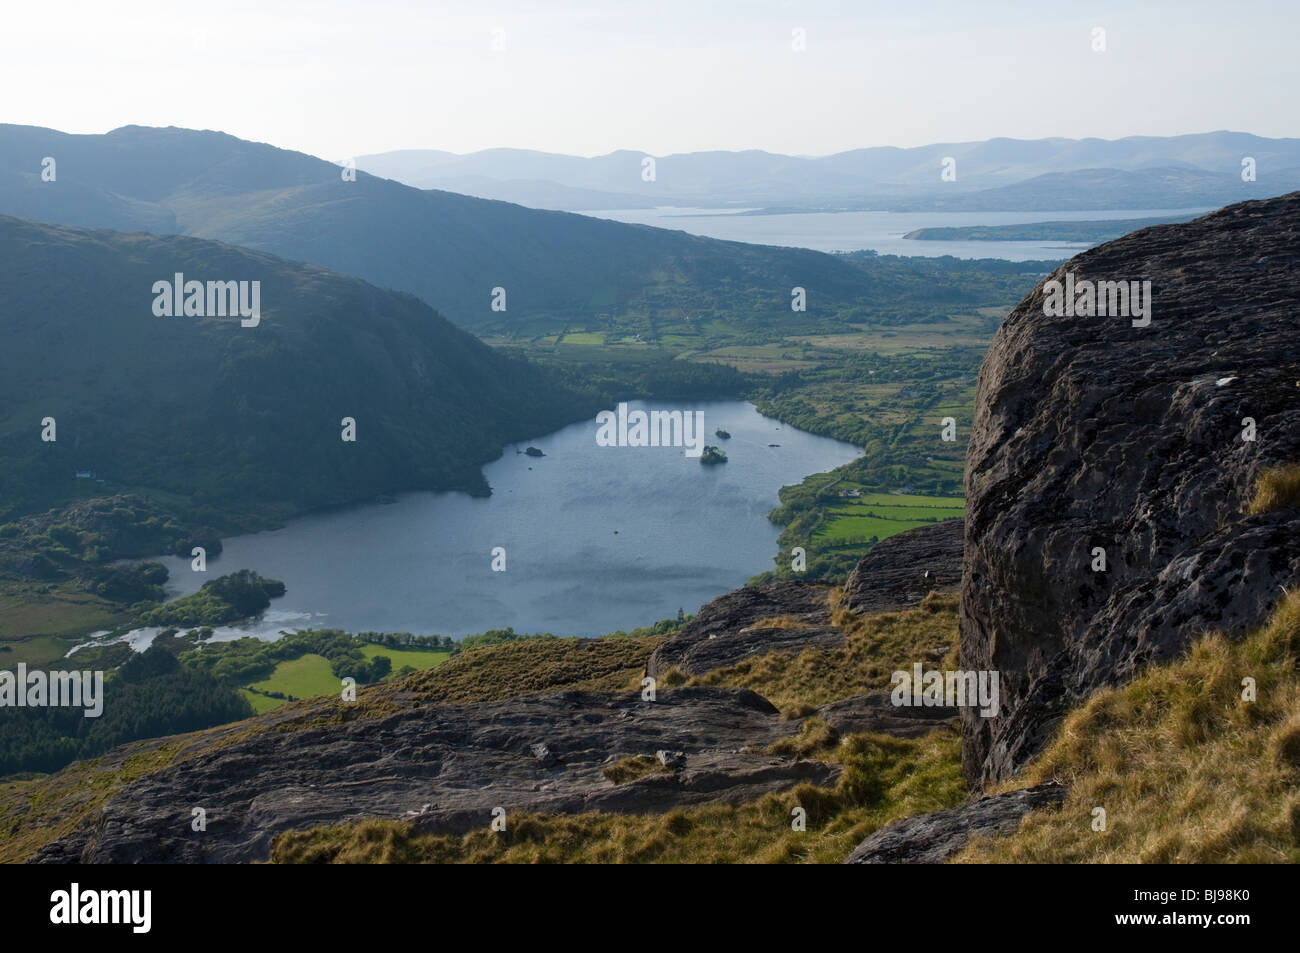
881,515
958,331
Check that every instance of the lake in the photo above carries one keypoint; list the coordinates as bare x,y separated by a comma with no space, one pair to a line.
882,231
596,538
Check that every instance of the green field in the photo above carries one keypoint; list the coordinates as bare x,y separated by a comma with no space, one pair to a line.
588,338
884,514
304,677
309,675
260,703
416,658
39,622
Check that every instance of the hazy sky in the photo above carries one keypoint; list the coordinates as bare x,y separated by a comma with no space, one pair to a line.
339,79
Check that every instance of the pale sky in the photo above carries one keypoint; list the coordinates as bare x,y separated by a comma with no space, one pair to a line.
340,78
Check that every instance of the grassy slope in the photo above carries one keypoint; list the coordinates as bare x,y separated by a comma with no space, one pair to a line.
884,778
876,647
1186,769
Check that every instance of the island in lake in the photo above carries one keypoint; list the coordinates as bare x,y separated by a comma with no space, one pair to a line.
712,455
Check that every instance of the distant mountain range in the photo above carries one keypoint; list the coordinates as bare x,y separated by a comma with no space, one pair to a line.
996,174
450,250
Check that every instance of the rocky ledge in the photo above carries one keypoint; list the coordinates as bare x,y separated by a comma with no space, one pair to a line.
445,768
935,837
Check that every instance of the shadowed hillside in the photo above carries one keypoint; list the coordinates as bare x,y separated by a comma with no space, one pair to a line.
205,407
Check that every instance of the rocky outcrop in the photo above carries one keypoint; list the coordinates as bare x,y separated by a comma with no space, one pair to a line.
895,574
902,570
935,837
876,713
1092,434
723,631
443,768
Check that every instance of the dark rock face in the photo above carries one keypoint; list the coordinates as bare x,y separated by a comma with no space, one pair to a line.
892,576
445,769
935,837
902,570
1090,432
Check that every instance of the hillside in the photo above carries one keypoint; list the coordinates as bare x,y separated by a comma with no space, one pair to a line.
220,413
450,250
1161,685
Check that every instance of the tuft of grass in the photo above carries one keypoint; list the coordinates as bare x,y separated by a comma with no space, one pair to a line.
673,678
630,769
875,647
883,779
1277,488
1187,769
814,736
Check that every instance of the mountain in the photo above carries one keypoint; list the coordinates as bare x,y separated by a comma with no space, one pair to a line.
218,411
540,193
783,700
450,250
881,177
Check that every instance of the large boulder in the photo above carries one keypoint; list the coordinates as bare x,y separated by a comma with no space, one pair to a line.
725,632
1093,433
900,571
